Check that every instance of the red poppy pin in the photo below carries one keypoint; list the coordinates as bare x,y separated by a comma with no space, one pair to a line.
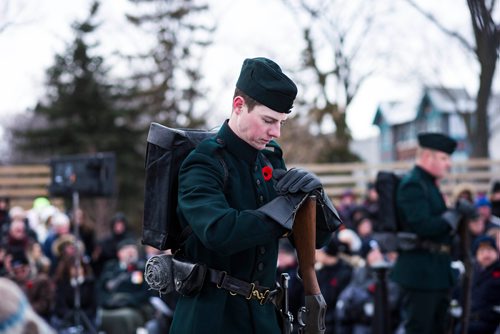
496,274
267,172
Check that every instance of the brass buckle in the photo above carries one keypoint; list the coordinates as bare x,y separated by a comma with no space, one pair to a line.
254,293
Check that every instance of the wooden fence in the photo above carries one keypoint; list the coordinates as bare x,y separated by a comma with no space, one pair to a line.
23,183
337,178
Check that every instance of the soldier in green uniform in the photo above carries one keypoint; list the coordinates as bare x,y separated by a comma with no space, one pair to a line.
423,268
238,211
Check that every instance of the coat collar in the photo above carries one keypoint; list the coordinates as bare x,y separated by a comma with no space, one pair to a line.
425,174
237,146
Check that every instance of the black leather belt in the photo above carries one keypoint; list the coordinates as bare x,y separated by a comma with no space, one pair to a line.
435,247
236,286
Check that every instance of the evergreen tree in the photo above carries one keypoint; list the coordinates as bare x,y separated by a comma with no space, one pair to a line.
167,87
83,113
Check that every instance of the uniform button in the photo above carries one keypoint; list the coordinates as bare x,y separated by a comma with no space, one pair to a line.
255,168
261,198
262,250
258,182
260,266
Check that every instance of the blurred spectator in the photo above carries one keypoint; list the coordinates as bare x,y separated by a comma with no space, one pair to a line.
364,229
346,206
4,213
483,207
39,263
106,248
494,232
349,245
485,288
371,202
72,278
3,255
16,313
355,306
334,274
123,293
60,227
39,215
18,269
17,238
40,292
465,191
86,231
67,246
495,199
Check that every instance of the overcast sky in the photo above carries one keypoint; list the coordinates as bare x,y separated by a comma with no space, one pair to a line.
245,29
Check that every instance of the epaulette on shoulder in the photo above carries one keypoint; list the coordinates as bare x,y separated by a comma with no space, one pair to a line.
275,148
210,146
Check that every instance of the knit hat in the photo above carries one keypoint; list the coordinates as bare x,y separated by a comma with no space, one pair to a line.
482,201
16,313
484,240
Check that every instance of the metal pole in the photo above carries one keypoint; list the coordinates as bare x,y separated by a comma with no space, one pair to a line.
381,318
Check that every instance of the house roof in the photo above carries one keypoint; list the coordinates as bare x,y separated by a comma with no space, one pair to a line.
449,100
395,112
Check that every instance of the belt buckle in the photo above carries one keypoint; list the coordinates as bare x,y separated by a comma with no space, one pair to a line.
256,294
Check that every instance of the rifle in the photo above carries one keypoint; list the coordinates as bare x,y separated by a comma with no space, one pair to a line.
311,317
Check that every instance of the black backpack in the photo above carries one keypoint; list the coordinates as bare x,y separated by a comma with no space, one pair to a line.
166,150
388,224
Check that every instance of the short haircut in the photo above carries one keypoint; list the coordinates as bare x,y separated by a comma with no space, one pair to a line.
250,102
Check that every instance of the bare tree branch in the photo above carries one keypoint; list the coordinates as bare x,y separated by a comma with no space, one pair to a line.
441,27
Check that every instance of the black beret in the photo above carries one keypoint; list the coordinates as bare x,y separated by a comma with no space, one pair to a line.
262,79
437,141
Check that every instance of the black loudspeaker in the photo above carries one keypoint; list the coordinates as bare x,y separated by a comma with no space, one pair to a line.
89,175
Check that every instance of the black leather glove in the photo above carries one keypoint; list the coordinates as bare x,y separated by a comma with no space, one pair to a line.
452,218
467,209
283,209
295,180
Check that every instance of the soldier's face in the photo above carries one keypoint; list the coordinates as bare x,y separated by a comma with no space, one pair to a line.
439,163
258,126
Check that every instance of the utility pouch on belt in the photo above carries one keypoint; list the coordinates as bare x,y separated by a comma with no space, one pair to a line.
166,273
188,277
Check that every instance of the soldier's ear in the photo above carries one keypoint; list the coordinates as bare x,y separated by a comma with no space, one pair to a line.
238,103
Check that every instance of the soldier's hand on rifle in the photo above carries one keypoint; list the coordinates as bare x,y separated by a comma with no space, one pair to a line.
283,208
295,180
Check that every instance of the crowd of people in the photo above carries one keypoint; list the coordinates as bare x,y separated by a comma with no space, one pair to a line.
74,281
40,254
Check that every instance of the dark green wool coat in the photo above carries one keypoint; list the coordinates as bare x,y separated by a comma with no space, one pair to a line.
420,205
229,234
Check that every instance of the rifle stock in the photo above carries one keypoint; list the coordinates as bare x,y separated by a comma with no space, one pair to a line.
304,231
311,317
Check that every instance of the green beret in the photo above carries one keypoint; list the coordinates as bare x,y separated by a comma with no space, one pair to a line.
437,141
263,80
